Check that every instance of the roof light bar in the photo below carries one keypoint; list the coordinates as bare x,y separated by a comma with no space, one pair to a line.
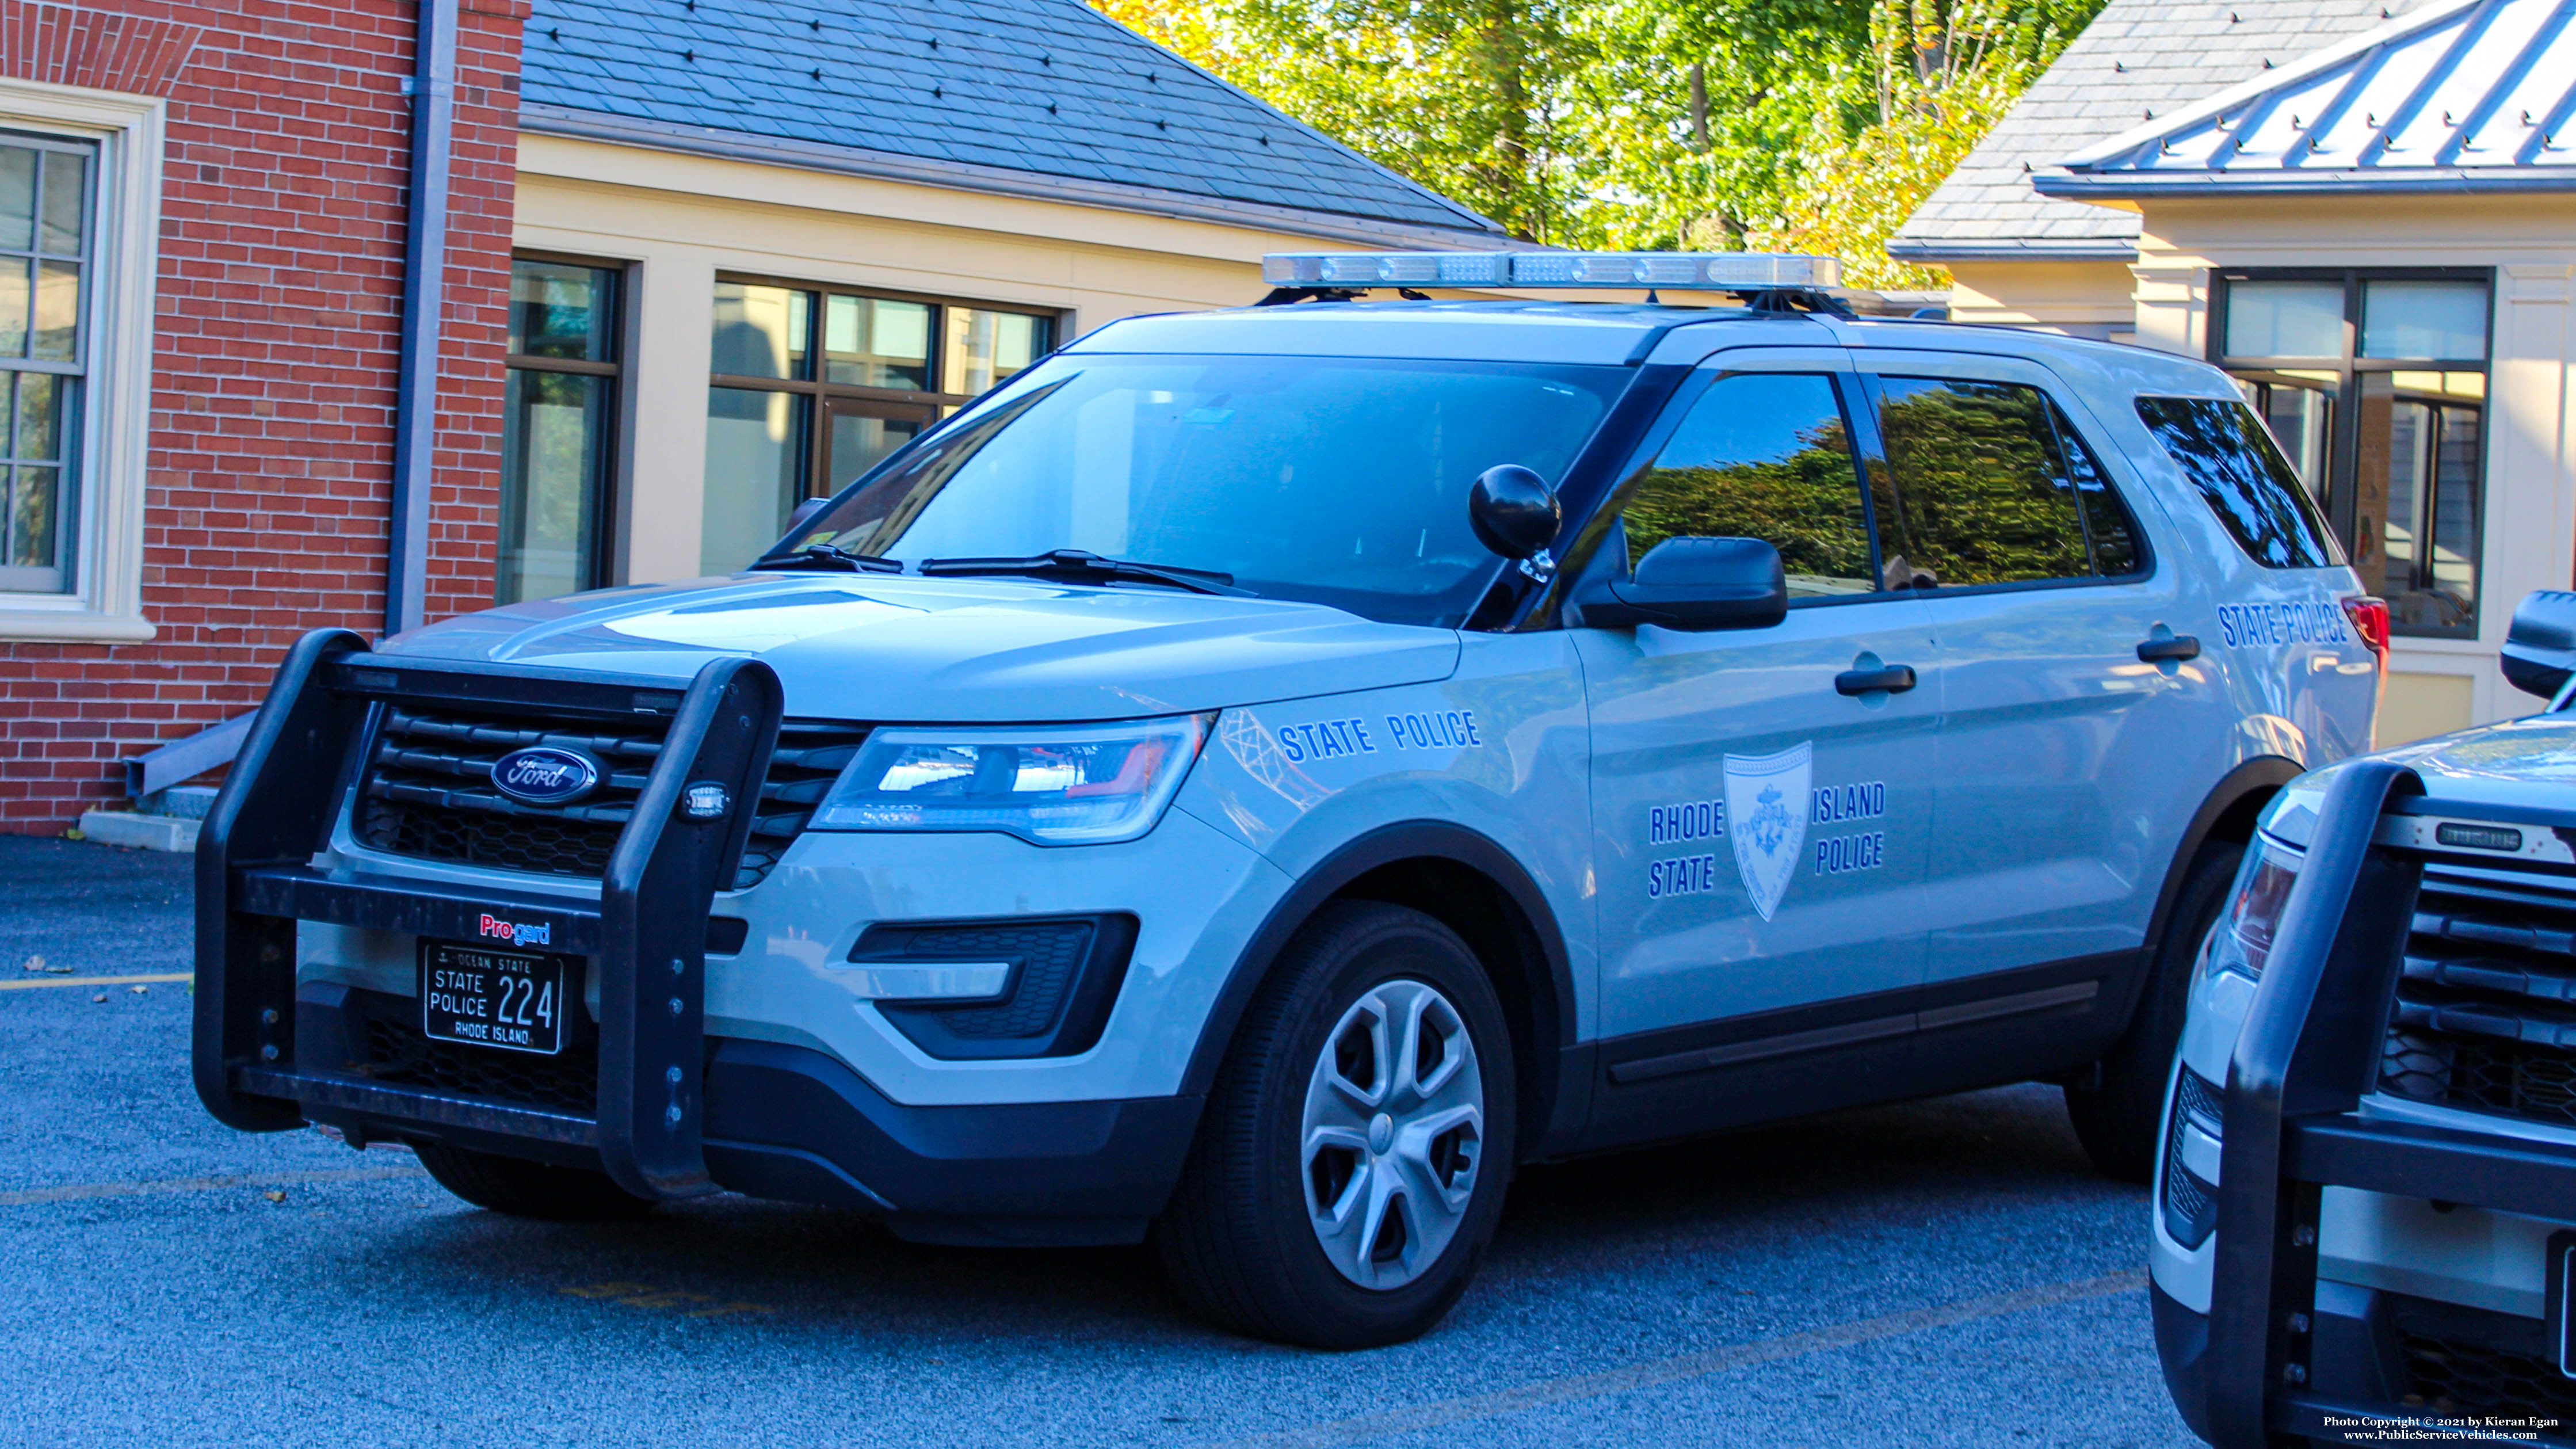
1712,271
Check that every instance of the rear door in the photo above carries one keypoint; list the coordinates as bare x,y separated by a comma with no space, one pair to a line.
1760,828
2070,762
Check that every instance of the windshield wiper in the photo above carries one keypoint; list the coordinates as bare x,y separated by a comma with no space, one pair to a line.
831,556
1076,566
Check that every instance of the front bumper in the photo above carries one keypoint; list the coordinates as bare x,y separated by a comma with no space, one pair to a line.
658,1100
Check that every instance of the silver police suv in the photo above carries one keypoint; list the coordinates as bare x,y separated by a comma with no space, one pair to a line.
1259,776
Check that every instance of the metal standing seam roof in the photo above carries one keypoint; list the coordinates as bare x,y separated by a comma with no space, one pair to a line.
2139,60
2466,95
1044,97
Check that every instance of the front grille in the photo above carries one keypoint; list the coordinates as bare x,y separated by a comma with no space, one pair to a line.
2191,1210
398,1052
2460,1362
2485,1015
427,789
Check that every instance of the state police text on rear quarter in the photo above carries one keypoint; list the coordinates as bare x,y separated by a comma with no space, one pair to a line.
545,775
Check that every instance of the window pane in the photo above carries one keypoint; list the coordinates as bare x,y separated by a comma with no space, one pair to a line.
1984,498
553,429
762,331
2108,528
40,418
2228,455
2302,420
56,336
66,197
561,311
986,348
755,466
860,442
17,299
1762,455
17,198
2285,319
32,507
2416,502
2423,319
871,342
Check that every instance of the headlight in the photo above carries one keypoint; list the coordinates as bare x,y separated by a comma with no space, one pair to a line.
1051,784
2242,940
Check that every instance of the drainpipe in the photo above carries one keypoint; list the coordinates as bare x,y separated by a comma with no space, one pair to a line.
433,132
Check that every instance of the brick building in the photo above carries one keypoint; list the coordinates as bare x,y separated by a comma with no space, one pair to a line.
204,227
708,260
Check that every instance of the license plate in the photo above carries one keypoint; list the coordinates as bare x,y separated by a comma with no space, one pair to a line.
514,1000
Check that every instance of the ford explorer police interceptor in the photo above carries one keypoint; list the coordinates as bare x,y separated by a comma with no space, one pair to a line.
2365,1225
1259,776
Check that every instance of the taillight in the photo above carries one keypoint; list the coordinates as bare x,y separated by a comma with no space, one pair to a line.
2369,618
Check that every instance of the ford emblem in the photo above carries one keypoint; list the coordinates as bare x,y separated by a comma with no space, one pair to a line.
545,775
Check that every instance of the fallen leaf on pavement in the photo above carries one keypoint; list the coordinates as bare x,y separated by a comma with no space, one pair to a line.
140,990
274,1196
102,996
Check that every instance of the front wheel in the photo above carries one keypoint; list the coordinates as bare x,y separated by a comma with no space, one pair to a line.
2117,1116
1352,1159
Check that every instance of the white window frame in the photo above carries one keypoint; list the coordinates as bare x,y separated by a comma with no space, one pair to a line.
106,602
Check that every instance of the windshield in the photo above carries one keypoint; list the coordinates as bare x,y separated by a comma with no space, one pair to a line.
1338,481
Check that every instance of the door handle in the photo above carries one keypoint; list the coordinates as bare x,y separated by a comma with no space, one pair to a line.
1895,679
2180,646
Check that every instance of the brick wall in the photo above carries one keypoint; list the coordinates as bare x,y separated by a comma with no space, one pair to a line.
280,288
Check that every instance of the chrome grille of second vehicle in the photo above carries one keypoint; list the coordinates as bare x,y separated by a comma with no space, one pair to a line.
2485,1015
426,790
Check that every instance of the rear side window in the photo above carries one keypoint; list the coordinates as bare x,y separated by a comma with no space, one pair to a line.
1994,487
2229,456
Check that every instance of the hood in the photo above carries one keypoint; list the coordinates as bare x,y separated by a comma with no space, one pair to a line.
970,650
2525,763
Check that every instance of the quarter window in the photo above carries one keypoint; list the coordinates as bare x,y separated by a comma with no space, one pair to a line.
1993,486
2230,458
45,237
557,426
814,386
1767,456
2374,385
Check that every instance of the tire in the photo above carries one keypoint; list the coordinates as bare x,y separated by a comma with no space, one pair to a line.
1414,1178
2116,1117
526,1189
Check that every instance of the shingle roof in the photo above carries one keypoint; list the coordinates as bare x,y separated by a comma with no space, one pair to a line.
2138,59
1038,88
2467,95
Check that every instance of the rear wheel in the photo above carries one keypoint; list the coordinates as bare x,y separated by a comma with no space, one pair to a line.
2116,1117
1353,1155
527,1189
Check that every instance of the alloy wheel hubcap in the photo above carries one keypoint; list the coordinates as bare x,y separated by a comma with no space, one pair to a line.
1393,1134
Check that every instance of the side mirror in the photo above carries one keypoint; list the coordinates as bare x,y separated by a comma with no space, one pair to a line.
1694,584
2540,648
1513,511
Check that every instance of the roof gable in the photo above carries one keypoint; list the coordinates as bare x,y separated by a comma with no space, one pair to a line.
1033,88
2467,95
2138,60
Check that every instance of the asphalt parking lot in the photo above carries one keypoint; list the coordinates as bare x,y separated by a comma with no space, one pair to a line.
1940,1273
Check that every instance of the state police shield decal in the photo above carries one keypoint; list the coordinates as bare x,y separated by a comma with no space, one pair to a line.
1767,798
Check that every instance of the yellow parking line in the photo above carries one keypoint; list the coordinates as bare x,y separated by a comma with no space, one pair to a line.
92,981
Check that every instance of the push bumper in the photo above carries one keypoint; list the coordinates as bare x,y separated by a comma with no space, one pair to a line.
2284,1357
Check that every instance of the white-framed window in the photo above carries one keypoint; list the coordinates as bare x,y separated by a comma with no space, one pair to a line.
80,175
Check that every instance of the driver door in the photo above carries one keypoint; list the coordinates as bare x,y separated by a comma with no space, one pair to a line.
1760,826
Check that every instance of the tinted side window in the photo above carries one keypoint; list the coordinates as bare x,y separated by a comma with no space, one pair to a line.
1768,456
1984,494
2109,532
2229,456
